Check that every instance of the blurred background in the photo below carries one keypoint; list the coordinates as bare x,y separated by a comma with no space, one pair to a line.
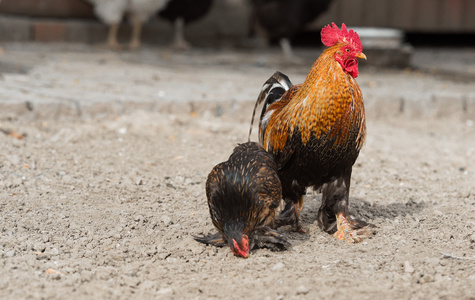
245,40
228,22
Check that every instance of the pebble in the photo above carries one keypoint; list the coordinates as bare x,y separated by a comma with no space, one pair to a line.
148,285
45,238
43,256
166,220
302,290
54,251
10,253
165,291
278,266
408,268
39,247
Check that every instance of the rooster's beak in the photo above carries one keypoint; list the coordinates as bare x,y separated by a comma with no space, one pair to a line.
361,55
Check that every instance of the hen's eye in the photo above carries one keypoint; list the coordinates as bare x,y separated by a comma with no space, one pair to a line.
347,50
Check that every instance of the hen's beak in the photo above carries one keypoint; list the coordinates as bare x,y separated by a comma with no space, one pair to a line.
361,55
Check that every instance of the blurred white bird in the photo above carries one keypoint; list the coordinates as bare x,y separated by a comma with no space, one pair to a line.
111,13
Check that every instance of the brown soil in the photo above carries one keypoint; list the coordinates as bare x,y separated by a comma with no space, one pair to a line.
105,208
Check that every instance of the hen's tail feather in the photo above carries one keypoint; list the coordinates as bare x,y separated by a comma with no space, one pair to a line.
271,92
214,239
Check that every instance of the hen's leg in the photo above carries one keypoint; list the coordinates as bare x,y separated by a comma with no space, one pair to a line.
136,32
286,48
334,212
112,37
179,42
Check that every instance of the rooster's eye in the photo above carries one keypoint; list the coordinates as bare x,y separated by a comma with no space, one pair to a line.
347,50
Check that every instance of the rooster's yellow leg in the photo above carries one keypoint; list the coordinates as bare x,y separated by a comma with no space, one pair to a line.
352,231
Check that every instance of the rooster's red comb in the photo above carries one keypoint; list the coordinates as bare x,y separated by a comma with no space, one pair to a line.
332,35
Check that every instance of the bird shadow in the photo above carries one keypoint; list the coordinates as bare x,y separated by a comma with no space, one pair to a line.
359,208
365,210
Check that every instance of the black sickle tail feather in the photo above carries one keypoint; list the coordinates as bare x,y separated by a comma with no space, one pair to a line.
271,92
211,239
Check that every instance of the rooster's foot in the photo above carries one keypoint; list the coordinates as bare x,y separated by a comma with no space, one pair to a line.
353,230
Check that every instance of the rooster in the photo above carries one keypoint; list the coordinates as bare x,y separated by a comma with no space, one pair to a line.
243,195
111,12
315,131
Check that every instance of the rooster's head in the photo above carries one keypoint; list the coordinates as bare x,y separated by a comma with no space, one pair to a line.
348,49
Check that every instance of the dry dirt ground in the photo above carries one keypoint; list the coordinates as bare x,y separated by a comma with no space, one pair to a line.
105,206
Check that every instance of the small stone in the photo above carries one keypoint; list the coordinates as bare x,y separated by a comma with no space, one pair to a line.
302,290
131,281
148,285
54,251
166,220
45,238
278,266
10,253
165,291
39,247
408,268
43,256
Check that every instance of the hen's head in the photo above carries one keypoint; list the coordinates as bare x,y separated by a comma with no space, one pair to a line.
349,46
241,246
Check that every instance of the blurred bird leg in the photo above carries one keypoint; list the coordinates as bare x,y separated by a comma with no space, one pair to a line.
179,42
112,38
286,47
136,32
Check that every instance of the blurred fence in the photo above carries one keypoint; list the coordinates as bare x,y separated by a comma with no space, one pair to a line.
425,16
74,20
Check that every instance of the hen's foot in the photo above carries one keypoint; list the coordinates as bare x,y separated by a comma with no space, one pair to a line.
114,46
181,45
291,216
134,45
270,238
352,230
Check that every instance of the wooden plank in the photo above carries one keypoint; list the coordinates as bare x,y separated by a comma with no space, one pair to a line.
401,14
48,8
377,13
426,16
352,12
468,24
451,14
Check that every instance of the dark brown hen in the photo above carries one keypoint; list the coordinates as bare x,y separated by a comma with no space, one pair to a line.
243,195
